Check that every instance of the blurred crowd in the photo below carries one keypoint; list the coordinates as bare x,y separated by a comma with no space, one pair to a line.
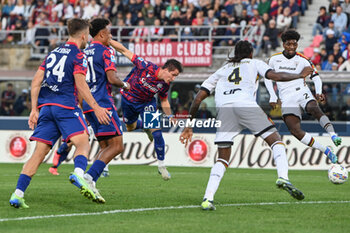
261,21
330,48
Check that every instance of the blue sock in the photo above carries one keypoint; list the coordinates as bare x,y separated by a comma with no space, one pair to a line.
23,182
159,144
96,169
139,124
62,148
80,162
63,151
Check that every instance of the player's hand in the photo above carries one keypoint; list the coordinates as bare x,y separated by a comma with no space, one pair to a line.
186,136
273,105
321,98
33,118
103,115
307,71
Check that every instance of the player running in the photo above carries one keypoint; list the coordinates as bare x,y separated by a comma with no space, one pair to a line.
235,86
146,80
100,77
296,94
54,92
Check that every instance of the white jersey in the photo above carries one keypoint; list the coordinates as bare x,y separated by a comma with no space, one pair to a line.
236,82
293,66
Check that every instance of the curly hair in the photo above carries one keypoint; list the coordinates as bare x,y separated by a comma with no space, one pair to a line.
290,35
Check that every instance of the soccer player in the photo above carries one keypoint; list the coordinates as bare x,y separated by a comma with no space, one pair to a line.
296,94
146,80
54,92
100,77
235,85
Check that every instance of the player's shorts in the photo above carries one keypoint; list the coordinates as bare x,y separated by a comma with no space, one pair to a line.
293,102
131,111
234,118
102,131
55,121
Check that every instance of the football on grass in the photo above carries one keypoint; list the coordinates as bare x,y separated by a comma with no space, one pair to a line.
337,174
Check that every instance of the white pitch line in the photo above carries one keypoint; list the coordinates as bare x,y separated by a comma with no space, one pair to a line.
168,208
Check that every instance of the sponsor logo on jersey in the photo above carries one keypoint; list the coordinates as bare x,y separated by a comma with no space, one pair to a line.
287,68
232,91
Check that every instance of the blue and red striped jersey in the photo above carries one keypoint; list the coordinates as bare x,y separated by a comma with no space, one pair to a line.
144,83
100,59
58,86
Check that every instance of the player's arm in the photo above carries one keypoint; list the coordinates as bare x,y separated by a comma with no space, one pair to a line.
115,80
187,133
315,77
164,102
102,114
35,89
285,77
121,49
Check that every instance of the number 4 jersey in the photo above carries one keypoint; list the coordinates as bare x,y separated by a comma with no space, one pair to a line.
236,82
58,86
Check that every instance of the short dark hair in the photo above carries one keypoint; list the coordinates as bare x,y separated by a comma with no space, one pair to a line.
290,35
76,25
10,85
97,25
243,49
173,64
323,8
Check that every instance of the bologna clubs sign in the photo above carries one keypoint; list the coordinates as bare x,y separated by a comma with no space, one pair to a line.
188,53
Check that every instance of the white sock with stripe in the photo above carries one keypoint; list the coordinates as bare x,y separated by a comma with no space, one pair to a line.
279,154
216,174
310,141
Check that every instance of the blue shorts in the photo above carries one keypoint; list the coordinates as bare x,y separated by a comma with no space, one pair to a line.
55,121
113,129
131,111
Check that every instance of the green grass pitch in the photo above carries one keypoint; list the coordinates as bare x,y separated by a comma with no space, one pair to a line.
140,187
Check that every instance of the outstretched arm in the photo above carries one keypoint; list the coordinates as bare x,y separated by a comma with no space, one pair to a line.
186,135
121,49
284,77
269,87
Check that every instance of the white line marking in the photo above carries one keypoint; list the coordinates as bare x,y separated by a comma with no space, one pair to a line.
168,208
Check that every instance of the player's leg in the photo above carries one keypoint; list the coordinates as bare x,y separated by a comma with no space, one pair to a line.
280,157
159,147
60,155
105,172
216,174
313,109
293,124
28,171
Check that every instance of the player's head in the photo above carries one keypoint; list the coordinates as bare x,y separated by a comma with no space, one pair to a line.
243,49
170,70
290,40
100,30
79,29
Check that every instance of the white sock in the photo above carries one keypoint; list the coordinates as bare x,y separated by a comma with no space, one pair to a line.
327,125
310,141
87,177
19,193
216,174
279,154
161,163
106,168
79,171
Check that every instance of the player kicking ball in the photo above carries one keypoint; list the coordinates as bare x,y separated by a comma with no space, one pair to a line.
147,80
296,94
54,90
235,85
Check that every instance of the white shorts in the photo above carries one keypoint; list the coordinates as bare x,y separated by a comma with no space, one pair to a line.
293,102
234,118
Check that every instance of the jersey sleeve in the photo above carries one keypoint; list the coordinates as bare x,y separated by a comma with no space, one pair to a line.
163,93
43,64
262,68
141,64
80,64
109,60
210,84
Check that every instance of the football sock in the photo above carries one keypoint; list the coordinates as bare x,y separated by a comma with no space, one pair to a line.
96,169
216,174
22,184
310,141
280,157
62,148
63,151
139,124
106,168
80,164
159,144
161,163
327,125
